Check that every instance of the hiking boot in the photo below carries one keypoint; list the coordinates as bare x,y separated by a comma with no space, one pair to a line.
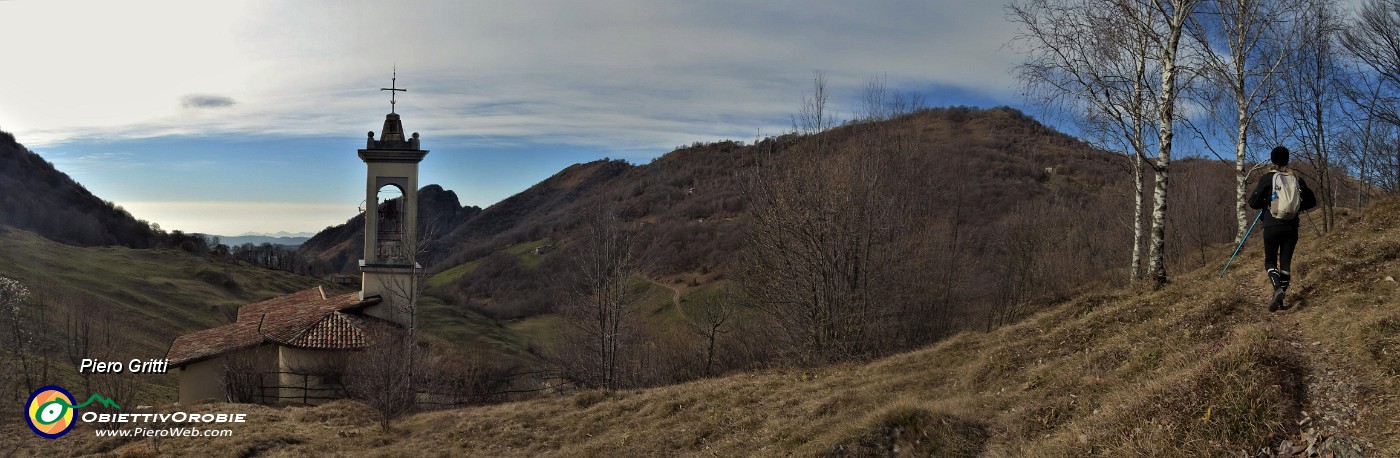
1276,278
1277,304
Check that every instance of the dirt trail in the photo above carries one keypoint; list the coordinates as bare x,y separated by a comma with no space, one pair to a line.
1333,420
675,301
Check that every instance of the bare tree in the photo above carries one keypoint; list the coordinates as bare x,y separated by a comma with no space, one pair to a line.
1364,136
906,101
1023,247
383,377
713,321
241,378
15,312
1204,218
1314,89
1085,58
1371,39
950,240
875,100
407,290
89,333
1167,20
603,296
121,385
880,102
456,379
822,248
814,116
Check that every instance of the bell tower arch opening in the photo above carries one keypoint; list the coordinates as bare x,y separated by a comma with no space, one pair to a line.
390,224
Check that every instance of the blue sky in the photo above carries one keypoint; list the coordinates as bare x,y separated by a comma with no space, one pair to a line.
237,116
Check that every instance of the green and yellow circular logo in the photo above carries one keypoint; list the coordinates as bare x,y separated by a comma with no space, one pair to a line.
50,412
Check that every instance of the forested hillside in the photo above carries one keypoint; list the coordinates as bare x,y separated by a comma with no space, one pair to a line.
37,197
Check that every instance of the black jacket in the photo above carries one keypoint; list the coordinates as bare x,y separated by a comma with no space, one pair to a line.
1259,200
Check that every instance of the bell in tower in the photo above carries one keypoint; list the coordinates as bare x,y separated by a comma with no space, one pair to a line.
389,236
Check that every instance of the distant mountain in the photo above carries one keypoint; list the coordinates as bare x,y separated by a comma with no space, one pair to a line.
36,197
258,239
278,234
337,249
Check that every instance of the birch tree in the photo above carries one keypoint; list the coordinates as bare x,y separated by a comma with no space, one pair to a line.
1084,56
1166,24
1247,43
1077,49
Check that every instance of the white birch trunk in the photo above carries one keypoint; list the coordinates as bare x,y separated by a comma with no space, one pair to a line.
1241,176
1138,166
1166,113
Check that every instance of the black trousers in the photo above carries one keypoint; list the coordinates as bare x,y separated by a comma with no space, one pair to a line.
1278,247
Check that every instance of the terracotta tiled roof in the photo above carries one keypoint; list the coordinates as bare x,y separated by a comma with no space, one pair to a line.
336,331
256,309
307,319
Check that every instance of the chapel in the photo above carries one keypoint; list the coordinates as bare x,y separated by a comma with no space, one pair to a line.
295,348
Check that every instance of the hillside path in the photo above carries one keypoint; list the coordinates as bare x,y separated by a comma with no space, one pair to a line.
675,301
1333,417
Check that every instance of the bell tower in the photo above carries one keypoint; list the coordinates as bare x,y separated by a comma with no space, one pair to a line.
389,268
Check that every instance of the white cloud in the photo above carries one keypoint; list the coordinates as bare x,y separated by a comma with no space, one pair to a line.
616,74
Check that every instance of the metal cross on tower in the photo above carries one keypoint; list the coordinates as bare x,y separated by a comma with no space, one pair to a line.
393,90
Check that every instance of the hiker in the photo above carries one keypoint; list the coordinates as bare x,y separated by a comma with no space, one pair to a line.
1280,196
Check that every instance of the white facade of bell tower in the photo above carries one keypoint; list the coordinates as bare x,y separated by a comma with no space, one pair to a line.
389,267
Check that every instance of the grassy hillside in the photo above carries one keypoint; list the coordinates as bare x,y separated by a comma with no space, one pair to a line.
1198,368
152,295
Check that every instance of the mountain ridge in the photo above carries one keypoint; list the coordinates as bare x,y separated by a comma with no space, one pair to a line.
261,239
36,196
692,209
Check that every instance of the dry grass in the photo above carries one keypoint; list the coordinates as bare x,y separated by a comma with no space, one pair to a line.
1199,368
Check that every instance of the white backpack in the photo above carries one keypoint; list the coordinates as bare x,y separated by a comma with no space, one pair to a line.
1287,196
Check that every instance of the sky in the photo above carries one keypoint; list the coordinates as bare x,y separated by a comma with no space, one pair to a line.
245,116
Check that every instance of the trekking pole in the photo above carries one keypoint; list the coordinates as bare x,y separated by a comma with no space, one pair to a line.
1313,222
1242,239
